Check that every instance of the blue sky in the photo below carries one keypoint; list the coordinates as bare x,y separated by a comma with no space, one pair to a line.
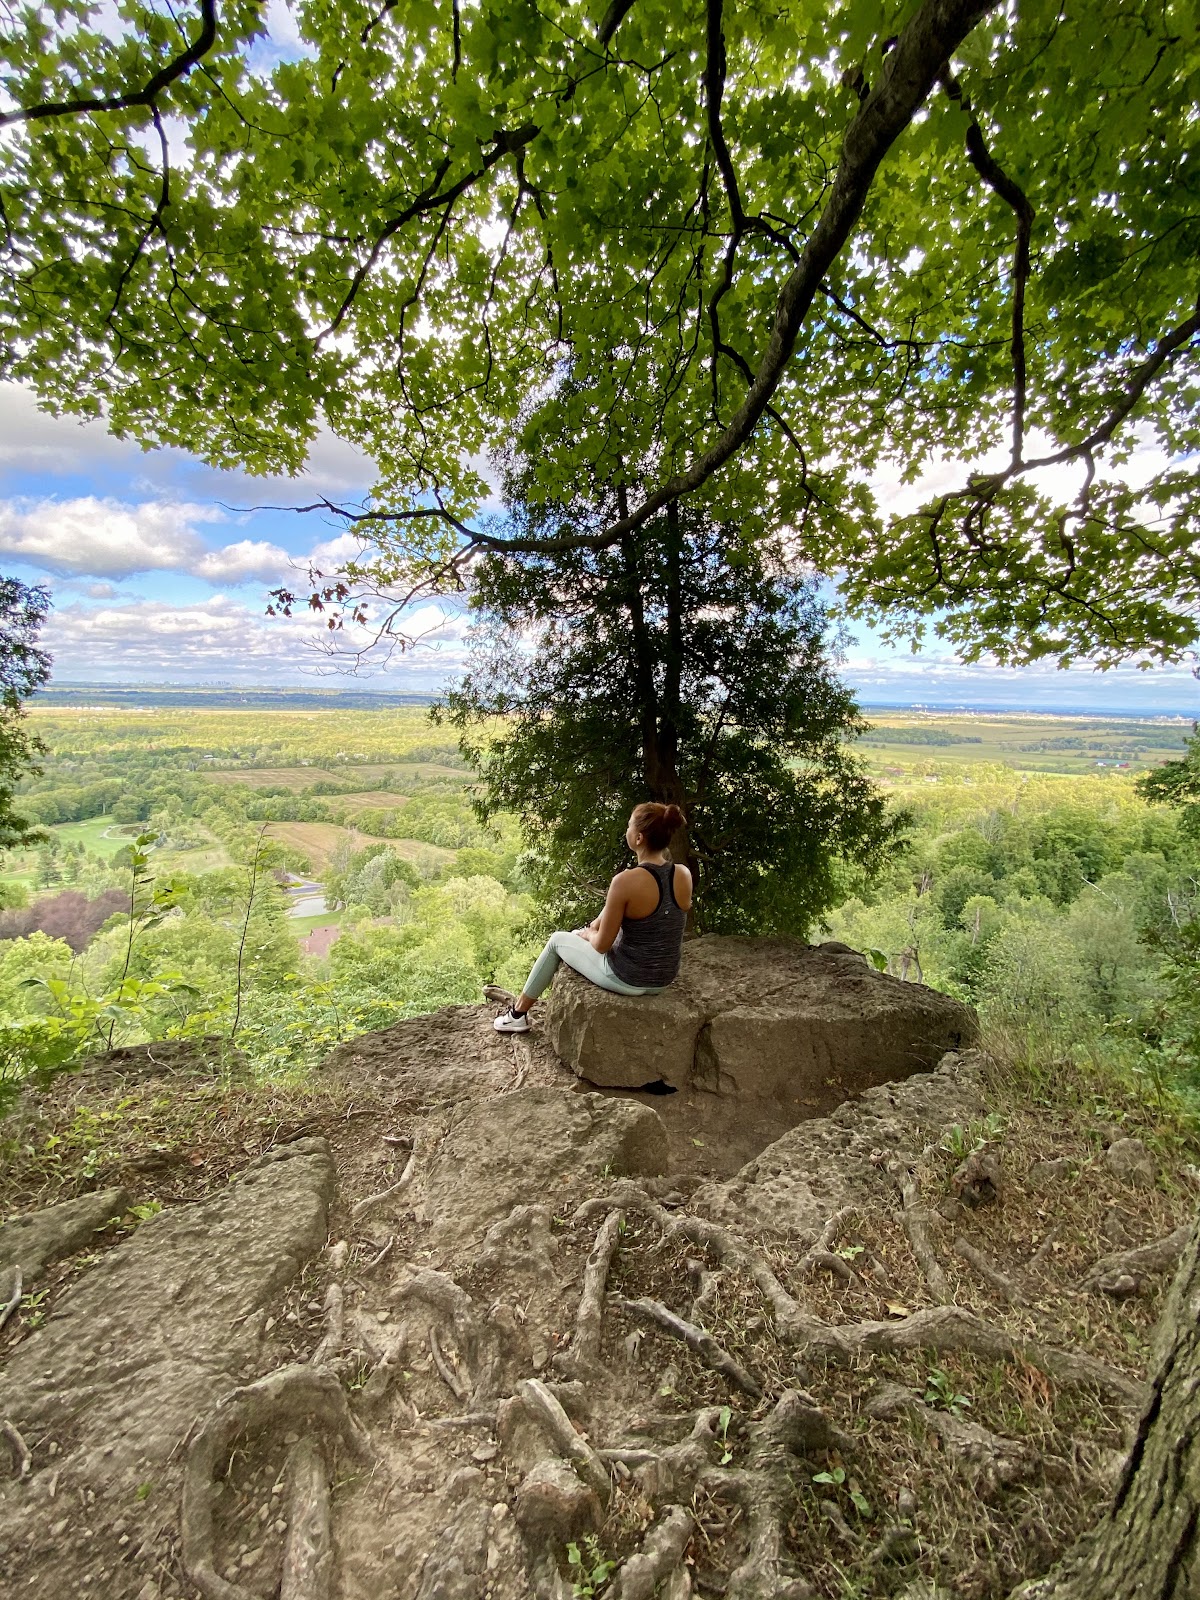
156,579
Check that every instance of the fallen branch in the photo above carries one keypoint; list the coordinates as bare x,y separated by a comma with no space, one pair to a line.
22,1455
299,1396
14,1297
373,1200
1125,1273
914,1219
308,1547
1004,1287
662,1551
589,1319
697,1339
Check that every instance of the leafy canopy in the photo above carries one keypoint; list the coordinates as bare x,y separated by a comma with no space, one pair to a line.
778,250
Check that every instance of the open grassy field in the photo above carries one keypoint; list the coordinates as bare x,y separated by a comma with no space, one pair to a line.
316,841
295,779
100,835
377,800
1024,742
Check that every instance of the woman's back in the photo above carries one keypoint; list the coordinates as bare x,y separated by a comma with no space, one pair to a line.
648,949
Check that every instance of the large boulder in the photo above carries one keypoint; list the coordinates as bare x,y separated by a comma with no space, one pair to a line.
763,1019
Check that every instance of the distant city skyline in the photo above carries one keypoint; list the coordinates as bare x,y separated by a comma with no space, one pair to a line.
155,572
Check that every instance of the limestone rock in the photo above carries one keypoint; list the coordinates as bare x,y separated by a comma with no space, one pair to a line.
765,1019
32,1242
140,1346
504,1151
1129,1160
797,1182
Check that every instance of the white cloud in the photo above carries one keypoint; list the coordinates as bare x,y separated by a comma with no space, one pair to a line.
103,538
247,561
223,639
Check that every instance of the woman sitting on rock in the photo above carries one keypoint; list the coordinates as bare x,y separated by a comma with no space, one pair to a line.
634,945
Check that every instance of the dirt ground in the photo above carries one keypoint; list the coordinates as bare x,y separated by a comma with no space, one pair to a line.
628,1382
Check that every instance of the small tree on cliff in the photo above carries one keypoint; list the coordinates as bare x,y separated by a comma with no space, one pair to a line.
23,669
662,669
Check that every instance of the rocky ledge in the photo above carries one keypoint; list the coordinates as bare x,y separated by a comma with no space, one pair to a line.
797,1026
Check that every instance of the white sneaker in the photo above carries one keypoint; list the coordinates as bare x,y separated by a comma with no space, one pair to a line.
511,1021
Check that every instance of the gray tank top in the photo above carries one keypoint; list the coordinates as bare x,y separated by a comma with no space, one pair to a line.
647,950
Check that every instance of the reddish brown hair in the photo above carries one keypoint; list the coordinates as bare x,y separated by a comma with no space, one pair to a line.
657,824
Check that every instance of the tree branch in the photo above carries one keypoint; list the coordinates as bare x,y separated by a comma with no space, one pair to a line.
178,68
909,73
1014,197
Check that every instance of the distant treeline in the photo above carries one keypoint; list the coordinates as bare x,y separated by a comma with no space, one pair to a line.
918,736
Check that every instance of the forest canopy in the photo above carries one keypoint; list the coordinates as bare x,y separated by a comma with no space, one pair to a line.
789,256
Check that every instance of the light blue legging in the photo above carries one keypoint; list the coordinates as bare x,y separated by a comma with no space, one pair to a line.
584,958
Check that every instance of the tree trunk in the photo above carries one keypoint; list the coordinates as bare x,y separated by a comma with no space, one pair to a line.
657,723
1146,1546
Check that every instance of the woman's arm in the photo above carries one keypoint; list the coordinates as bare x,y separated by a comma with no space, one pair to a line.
602,934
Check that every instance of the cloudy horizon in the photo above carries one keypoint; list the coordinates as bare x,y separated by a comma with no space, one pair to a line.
159,568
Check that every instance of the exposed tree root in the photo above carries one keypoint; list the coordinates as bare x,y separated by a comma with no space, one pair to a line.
380,1256
915,1221
589,1319
765,1573
546,1413
1128,1272
16,1290
822,1254
308,1549
372,1200
446,1371
980,1454
477,1347
298,1396
953,1328
1004,1287
662,1551
945,1327
671,1473
791,1320
704,1288
697,1339
21,1454
335,1326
